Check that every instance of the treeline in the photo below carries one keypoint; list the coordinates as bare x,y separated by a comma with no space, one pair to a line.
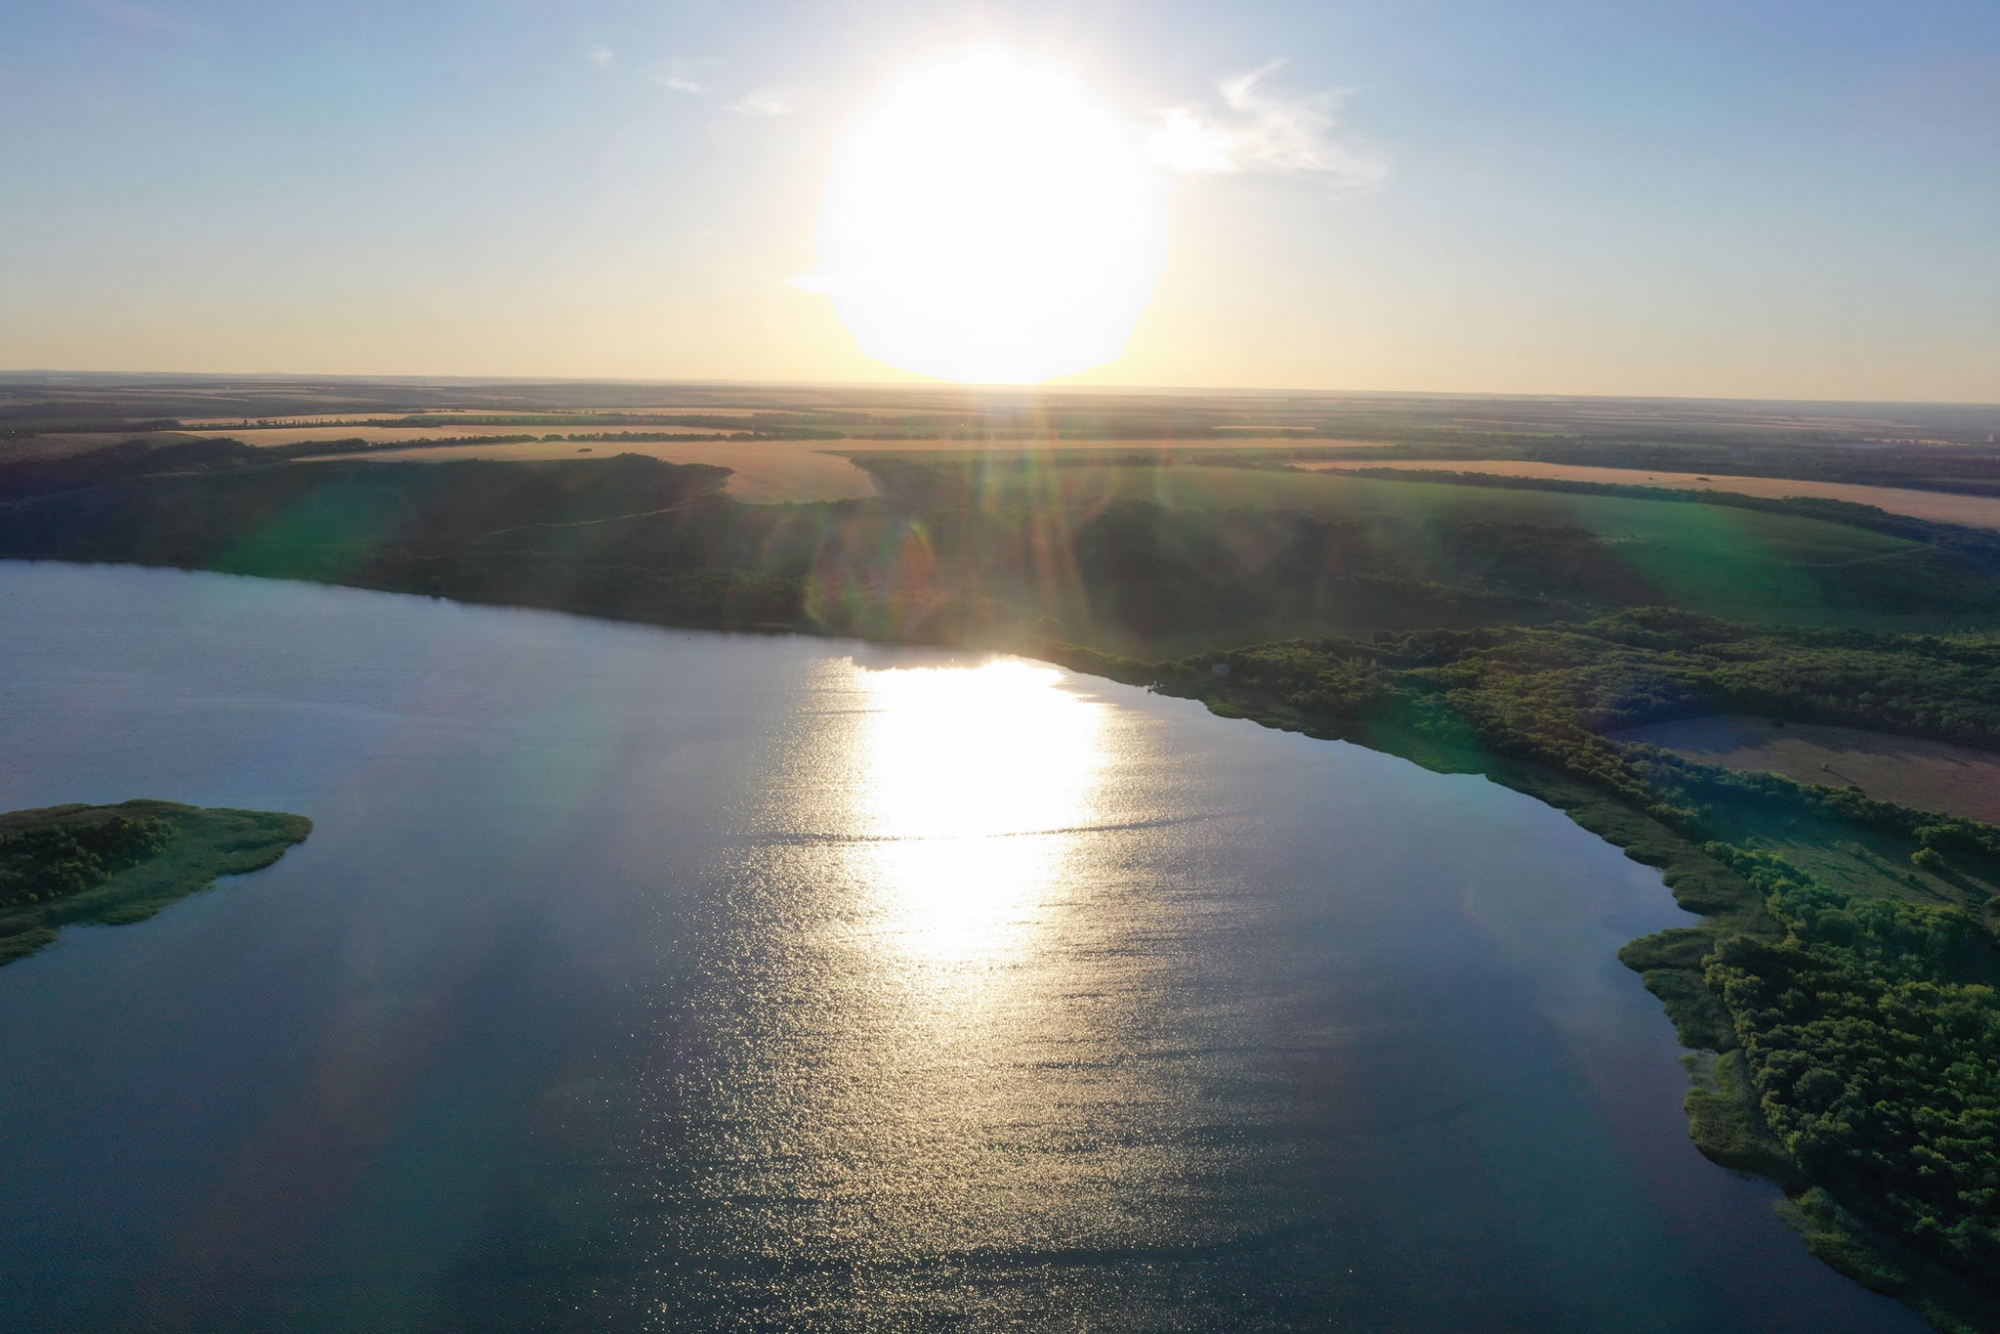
117,424
306,449
613,437
772,425
67,855
130,458
312,449
1646,665
134,458
626,536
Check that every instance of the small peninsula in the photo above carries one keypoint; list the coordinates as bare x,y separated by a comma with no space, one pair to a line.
122,863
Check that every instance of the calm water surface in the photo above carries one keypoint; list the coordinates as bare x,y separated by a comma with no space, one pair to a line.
637,979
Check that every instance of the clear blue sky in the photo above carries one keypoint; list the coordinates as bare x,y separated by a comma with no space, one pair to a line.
1697,197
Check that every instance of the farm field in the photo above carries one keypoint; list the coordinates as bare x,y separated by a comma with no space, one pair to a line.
1697,531
1244,438
292,435
763,472
773,471
240,423
1935,506
1927,775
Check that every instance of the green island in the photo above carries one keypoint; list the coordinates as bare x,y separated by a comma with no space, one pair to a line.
1839,992
122,863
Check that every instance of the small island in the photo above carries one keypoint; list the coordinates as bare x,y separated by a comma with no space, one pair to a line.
122,863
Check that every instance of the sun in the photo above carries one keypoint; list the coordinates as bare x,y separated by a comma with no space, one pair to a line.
989,220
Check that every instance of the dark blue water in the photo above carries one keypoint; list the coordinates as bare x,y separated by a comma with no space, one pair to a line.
637,979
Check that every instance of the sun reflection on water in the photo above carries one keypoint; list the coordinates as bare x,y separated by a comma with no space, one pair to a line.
973,782
908,1043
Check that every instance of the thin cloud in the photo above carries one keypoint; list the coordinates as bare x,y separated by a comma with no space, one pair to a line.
1263,131
599,56
766,102
682,76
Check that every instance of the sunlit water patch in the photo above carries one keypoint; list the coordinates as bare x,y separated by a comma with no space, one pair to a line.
655,980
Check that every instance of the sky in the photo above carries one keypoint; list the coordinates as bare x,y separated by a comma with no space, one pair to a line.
1707,198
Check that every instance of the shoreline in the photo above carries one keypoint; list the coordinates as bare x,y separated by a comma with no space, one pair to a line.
1725,1122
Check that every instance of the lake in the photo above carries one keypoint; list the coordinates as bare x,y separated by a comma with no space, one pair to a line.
652,979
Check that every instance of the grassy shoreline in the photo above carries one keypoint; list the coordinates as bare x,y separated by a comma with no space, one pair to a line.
200,846
1726,1122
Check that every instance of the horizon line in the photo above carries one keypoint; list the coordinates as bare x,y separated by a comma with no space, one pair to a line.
926,385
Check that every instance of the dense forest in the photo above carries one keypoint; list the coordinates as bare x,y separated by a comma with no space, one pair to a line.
1871,1030
58,857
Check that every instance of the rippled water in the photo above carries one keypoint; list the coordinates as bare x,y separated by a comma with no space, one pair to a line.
646,979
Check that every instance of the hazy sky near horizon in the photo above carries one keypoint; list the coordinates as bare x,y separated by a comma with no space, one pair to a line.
1707,198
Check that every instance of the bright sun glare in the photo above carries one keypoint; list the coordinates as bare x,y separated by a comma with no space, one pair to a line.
975,781
989,220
